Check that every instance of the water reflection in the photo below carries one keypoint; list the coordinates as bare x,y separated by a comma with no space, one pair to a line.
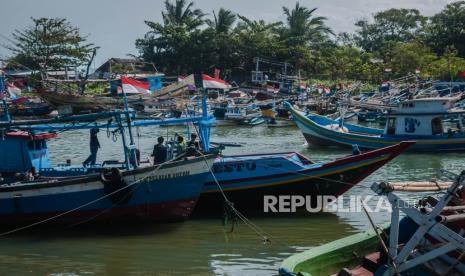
199,246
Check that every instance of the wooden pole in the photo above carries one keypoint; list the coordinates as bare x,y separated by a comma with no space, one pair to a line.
383,244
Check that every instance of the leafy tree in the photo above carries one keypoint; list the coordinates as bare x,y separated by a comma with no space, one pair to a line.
447,28
398,25
448,66
50,43
407,57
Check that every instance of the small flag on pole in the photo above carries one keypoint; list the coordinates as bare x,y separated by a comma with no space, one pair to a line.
215,83
13,91
133,86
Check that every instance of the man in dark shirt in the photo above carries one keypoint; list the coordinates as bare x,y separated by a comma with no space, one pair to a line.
159,151
94,146
193,143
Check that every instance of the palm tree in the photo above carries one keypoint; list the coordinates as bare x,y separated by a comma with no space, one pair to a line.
301,24
224,22
255,26
182,14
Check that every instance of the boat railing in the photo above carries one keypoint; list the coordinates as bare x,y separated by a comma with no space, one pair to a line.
430,223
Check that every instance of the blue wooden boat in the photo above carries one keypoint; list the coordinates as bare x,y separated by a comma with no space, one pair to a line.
245,179
31,189
417,120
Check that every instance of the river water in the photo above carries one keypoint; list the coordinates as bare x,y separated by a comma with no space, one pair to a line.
201,246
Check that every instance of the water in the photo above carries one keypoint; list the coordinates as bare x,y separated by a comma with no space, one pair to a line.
200,246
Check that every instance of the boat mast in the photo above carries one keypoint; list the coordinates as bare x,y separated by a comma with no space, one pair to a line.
204,124
129,151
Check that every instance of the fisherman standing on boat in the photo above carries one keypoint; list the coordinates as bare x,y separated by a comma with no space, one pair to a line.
94,146
160,151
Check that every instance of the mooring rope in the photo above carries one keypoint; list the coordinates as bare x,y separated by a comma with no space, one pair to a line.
266,237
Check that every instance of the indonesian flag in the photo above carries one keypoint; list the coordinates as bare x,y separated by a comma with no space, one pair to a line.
134,86
302,86
14,91
215,83
181,78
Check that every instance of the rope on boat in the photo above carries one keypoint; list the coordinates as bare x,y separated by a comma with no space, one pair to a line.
260,232
85,204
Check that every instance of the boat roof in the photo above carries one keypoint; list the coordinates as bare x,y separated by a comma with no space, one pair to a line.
28,136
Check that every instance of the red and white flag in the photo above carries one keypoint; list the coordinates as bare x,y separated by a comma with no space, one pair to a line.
181,78
302,86
133,86
14,91
215,83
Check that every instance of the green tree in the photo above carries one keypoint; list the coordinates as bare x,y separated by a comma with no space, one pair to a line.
256,39
223,22
50,43
447,28
302,26
393,25
182,14
448,66
174,44
407,57
224,40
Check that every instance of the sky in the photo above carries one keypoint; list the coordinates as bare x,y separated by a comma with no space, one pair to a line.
114,25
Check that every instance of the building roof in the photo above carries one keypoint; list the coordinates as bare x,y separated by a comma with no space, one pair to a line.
132,65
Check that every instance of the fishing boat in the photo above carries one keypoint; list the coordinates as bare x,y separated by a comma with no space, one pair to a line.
427,241
86,103
243,115
419,120
276,117
246,179
32,190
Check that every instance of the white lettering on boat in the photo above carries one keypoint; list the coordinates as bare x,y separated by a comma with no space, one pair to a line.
165,176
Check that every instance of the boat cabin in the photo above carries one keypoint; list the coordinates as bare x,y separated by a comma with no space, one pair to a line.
420,117
24,152
234,112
